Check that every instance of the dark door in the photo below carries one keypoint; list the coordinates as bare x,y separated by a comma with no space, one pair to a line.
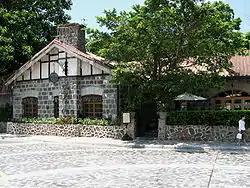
147,120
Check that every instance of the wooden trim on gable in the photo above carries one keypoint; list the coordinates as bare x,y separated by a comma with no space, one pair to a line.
62,48
89,61
30,73
62,58
80,67
40,69
66,64
49,66
51,55
84,76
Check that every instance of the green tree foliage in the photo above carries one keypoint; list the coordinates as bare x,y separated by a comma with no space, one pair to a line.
166,47
26,26
246,43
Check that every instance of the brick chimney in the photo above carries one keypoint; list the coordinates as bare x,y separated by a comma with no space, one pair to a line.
72,35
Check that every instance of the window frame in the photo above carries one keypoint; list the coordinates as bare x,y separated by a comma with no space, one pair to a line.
92,108
30,107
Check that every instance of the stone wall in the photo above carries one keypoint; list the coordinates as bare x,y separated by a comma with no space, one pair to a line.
195,132
200,133
73,130
101,85
69,91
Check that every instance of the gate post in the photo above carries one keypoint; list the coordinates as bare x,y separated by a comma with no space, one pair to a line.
162,125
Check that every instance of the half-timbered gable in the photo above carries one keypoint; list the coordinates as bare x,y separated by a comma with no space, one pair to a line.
62,61
64,80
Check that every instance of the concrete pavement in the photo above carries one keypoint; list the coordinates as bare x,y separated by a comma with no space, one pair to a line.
56,162
141,143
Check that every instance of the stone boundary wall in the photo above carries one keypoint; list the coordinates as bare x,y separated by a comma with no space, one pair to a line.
3,127
196,132
200,133
73,130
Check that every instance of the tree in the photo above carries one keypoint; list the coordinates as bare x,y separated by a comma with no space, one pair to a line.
26,27
166,47
246,43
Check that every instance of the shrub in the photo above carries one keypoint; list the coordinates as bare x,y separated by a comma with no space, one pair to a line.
67,120
211,117
40,120
88,121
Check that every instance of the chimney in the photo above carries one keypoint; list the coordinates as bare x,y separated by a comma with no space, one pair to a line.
72,35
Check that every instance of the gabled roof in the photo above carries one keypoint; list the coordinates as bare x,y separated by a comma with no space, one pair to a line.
94,60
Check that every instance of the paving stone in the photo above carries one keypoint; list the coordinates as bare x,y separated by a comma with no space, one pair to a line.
43,162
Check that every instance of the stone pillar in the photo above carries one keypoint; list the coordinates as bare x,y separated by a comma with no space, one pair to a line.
69,98
162,125
131,127
110,100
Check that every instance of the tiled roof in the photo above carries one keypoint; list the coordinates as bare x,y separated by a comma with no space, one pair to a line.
241,65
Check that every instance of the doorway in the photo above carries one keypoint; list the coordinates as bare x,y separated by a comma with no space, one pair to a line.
147,120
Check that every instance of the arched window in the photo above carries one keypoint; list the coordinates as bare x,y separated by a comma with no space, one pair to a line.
92,106
232,100
30,107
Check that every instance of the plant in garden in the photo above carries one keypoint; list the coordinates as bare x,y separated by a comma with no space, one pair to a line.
67,120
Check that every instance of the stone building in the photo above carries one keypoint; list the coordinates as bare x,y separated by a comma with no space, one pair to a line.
235,94
63,80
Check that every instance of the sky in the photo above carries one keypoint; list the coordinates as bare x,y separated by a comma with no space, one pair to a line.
88,10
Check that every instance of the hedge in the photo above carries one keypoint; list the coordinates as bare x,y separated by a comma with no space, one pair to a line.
67,120
211,117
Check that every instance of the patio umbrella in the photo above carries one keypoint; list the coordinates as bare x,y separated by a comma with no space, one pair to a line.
189,97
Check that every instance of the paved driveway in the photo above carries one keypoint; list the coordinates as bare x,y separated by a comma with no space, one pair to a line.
37,162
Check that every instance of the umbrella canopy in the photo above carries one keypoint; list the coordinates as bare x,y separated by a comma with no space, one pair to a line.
189,97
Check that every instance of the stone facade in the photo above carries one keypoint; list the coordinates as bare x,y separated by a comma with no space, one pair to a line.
73,130
70,90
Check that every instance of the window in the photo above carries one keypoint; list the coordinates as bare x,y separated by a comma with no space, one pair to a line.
92,106
56,106
30,107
